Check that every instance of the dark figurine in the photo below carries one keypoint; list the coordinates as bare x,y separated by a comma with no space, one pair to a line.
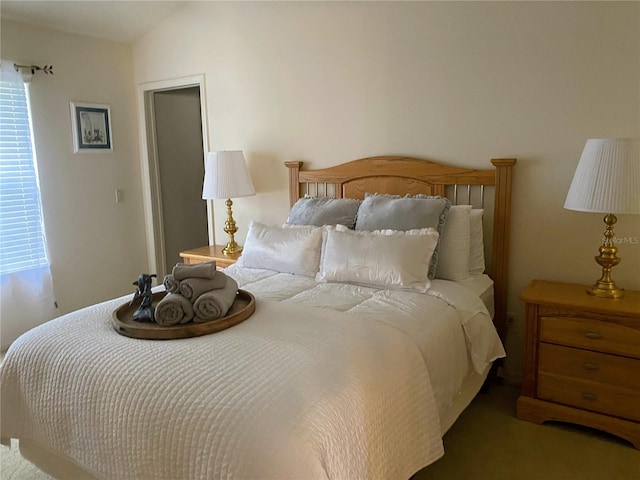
145,312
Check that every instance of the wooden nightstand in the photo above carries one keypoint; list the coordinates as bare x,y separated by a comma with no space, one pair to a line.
209,253
582,359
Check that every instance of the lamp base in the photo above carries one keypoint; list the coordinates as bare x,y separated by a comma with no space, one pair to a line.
605,287
606,290
232,248
230,228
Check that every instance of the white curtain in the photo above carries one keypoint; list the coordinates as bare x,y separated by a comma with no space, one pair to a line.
27,300
26,287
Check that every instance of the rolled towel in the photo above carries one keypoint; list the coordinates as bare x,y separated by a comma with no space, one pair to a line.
171,284
198,270
173,309
192,288
215,303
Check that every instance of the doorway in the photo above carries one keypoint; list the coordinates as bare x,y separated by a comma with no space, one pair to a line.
177,218
181,170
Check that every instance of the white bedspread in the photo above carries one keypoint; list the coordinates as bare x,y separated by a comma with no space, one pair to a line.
450,323
330,382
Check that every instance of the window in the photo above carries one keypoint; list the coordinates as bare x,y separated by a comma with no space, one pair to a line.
22,241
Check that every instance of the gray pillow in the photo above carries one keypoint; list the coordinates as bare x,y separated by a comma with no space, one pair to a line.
379,212
324,211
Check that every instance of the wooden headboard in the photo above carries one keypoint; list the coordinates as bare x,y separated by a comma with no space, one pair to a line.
405,175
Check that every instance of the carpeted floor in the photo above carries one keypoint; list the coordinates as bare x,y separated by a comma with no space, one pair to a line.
14,467
487,443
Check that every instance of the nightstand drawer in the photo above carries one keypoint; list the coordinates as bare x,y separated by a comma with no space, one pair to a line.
220,263
597,397
591,334
587,365
209,253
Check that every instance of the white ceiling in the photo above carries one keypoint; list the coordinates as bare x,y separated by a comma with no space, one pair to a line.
120,21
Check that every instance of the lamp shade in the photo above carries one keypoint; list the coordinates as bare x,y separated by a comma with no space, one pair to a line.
226,176
607,179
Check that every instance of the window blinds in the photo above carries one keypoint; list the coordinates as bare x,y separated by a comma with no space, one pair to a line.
22,242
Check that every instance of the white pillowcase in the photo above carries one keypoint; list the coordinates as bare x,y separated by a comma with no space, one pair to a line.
455,245
285,250
397,260
476,253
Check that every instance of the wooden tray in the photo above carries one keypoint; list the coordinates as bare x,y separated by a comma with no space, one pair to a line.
123,323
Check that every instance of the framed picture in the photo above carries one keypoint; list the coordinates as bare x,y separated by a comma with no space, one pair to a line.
91,124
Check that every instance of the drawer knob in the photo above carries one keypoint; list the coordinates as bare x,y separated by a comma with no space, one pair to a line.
593,335
589,396
591,366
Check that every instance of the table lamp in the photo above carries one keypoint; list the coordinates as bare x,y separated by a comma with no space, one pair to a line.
226,176
607,180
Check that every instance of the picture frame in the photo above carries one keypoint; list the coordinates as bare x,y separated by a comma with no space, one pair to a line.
91,126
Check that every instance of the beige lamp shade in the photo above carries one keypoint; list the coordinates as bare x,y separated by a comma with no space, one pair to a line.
226,176
607,179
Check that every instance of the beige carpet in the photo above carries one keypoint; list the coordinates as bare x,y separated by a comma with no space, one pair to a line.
14,467
487,443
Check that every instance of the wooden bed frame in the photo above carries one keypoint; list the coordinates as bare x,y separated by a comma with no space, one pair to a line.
406,175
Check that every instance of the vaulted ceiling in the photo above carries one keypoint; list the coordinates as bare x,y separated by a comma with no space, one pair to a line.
120,21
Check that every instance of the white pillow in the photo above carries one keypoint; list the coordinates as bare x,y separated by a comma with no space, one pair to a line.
285,250
476,254
397,260
455,245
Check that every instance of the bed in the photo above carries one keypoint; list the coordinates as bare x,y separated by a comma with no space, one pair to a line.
341,372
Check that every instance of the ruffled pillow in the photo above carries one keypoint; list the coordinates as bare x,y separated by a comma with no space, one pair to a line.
324,211
394,212
397,260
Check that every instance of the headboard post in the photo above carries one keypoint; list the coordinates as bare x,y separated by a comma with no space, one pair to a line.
294,182
501,227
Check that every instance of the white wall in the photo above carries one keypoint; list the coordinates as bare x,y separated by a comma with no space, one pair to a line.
96,246
333,81
327,82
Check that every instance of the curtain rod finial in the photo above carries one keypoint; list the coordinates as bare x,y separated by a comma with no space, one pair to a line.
47,69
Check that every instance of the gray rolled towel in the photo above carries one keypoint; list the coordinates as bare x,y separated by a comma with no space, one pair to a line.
171,284
192,288
215,303
197,270
173,309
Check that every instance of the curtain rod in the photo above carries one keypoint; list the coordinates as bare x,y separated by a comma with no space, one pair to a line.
47,69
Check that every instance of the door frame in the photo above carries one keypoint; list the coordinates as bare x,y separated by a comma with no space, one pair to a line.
149,165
